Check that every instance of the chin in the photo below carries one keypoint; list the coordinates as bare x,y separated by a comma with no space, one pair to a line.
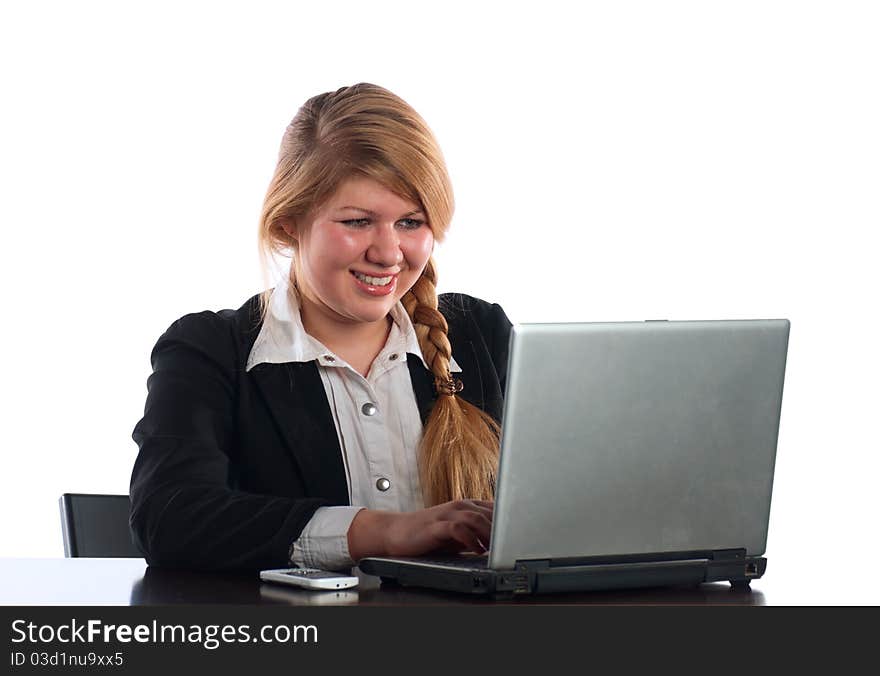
374,314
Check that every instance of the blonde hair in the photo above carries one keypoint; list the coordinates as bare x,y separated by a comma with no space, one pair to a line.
365,130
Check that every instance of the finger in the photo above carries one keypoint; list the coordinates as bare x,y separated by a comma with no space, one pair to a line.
480,529
482,506
479,523
462,533
476,503
479,518
444,539
488,512
455,535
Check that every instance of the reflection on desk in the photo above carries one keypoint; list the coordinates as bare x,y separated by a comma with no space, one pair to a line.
132,582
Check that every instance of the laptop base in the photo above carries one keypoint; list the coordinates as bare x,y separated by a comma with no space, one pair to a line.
593,574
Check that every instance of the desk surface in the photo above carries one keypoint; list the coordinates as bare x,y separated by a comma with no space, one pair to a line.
32,582
789,581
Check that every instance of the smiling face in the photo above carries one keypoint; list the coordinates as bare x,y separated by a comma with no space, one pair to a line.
357,256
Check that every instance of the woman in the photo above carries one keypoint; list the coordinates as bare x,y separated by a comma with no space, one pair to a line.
349,412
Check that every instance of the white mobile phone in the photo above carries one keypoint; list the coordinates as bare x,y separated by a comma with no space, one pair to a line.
309,578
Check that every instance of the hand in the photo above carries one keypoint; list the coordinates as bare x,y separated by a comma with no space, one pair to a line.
459,525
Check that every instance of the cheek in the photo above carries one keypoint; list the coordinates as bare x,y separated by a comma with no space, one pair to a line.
333,250
419,247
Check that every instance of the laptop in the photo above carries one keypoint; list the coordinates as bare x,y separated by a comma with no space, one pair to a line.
633,454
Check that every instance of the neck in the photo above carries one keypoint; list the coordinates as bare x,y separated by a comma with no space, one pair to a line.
345,338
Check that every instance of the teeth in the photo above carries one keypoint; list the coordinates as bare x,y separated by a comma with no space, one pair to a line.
373,281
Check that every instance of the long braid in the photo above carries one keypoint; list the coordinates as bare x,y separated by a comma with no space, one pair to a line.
430,326
459,450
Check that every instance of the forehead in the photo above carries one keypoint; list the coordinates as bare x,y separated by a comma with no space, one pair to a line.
369,194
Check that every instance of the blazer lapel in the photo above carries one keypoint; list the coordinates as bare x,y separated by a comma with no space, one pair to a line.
295,395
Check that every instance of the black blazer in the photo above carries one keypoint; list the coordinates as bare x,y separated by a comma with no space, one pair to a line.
233,464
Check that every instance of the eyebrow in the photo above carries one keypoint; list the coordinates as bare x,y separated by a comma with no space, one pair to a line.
373,213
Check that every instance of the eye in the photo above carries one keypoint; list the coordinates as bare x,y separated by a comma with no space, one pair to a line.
356,222
411,223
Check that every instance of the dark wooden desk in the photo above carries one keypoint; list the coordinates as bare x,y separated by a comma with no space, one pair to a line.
131,582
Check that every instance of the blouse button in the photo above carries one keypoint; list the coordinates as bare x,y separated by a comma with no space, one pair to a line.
328,357
393,357
383,484
369,409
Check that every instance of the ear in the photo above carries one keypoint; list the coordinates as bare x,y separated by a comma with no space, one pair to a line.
290,230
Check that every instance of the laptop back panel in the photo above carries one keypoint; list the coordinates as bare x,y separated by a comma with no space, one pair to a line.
638,438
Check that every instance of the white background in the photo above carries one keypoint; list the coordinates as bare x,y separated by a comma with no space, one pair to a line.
611,161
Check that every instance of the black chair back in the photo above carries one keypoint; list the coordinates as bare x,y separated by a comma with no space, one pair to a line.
96,526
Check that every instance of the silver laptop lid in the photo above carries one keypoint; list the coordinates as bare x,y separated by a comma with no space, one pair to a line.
638,437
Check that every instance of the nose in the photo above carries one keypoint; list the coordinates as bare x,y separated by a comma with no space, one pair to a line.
384,249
